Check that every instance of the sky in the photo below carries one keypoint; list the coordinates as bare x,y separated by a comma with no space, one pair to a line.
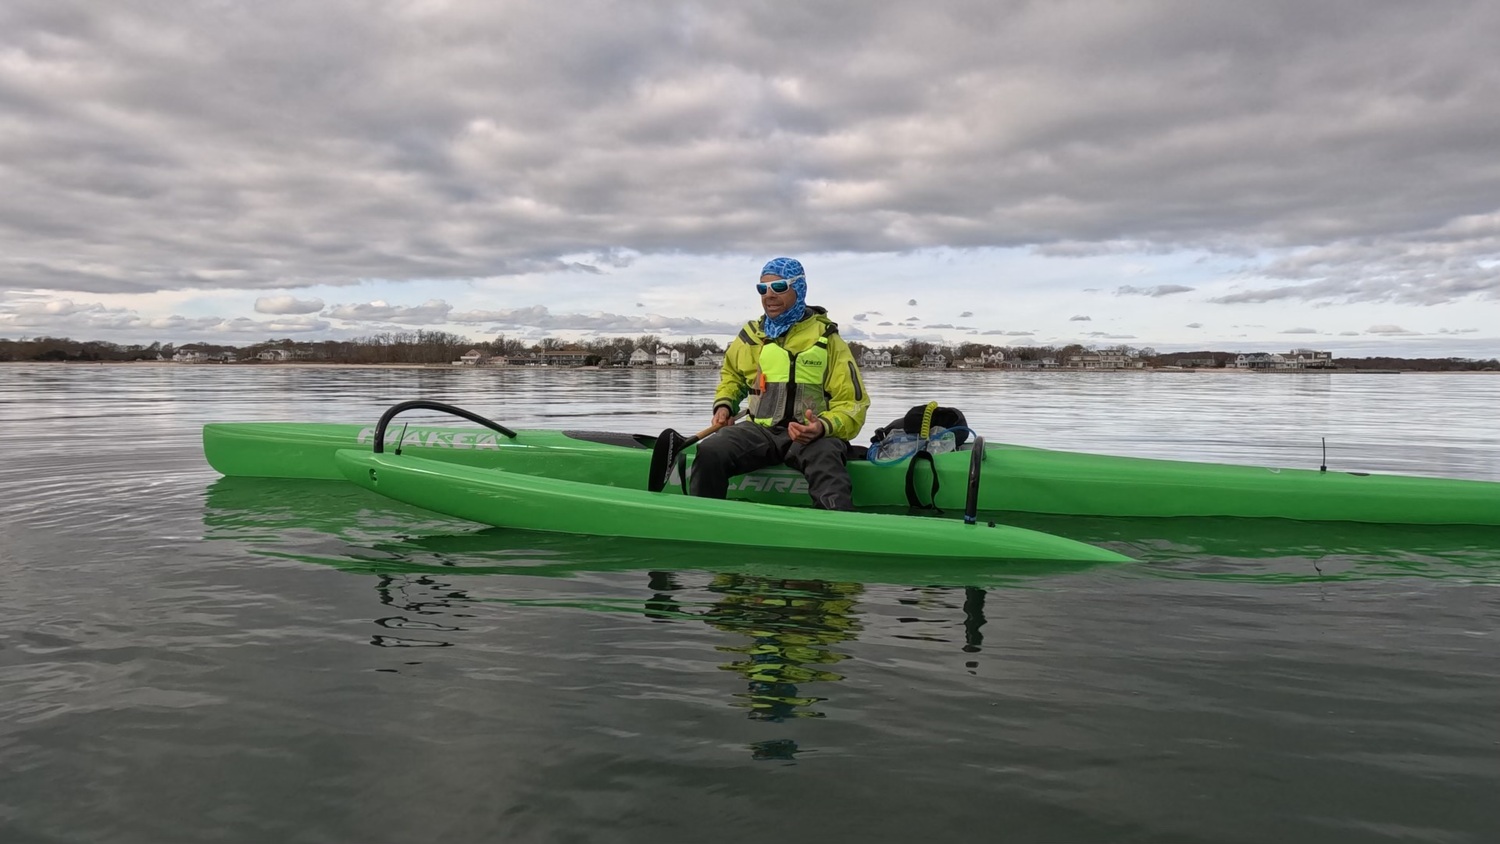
1168,175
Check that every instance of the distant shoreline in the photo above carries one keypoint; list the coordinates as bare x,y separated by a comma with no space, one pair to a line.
1060,370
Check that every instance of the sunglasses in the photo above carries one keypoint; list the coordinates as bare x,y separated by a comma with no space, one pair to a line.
779,286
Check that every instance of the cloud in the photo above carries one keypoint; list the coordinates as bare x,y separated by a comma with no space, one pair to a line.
287,305
911,302
263,328
540,317
1390,331
283,147
965,314
431,312
860,317
938,325
1299,331
1157,291
1080,318
1195,325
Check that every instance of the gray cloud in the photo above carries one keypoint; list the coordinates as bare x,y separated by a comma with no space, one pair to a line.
938,325
431,312
965,314
1390,331
1158,290
1299,331
539,317
1080,318
63,317
278,144
1195,325
287,305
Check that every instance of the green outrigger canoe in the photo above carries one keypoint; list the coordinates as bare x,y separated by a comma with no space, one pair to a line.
591,482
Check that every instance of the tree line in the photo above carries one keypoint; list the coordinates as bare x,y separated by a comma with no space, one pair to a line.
440,347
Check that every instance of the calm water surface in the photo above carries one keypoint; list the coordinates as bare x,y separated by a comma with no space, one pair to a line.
189,658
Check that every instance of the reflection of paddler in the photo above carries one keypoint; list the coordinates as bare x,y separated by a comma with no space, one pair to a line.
790,622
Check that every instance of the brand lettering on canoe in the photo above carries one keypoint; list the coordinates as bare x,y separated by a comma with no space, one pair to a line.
433,438
772,480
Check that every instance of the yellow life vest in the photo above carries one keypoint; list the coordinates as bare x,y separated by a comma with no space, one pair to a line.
788,385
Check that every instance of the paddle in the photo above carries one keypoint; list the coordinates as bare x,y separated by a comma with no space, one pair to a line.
668,449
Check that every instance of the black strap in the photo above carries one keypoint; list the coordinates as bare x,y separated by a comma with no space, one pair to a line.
922,454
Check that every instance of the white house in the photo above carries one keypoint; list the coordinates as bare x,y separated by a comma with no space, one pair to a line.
934,360
640,357
1312,358
873,359
190,356
670,357
1263,360
472,357
713,359
274,354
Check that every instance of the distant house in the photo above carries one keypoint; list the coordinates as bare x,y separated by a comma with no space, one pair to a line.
1312,358
570,356
472,357
641,357
190,356
934,360
713,359
619,358
1263,361
669,357
276,355
1295,359
873,359
1109,359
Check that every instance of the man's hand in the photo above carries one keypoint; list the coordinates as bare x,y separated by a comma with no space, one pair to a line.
721,416
806,432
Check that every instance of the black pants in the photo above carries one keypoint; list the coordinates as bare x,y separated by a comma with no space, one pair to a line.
747,446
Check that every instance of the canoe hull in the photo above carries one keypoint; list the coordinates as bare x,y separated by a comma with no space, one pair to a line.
1014,478
506,499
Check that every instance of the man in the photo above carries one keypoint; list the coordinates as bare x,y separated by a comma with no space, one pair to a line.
806,399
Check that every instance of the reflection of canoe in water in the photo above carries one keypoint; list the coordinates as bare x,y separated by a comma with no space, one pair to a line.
340,525
1014,478
337,524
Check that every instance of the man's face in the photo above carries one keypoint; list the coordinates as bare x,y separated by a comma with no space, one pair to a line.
775,303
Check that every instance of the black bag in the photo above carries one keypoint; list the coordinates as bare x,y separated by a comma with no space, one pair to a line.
911,423
934,416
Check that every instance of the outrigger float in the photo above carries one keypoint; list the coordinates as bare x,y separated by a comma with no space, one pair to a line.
629,485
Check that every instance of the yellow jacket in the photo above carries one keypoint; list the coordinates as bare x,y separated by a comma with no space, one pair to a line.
847,399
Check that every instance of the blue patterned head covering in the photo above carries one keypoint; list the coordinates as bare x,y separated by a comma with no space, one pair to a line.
791,270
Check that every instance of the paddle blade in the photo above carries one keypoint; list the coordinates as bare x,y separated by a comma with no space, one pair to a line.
664,457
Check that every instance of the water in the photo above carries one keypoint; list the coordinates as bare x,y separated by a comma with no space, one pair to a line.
188,658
